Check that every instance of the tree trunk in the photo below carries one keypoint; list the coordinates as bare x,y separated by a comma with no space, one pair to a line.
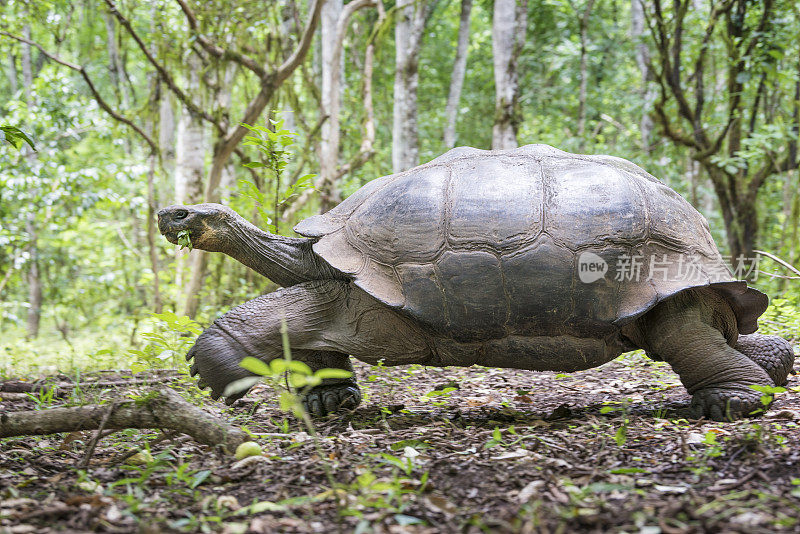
739,215
509,23
583,24
34,280
12,73
794,250
114,62
790,191
152,207
190,152
27,69
642,55
198,259
457,78
227,142
198,262
330,101
189,158
166,131
411,17
335,21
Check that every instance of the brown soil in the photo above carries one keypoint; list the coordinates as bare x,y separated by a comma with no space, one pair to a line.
605,450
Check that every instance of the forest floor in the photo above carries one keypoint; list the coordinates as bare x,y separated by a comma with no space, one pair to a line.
429,450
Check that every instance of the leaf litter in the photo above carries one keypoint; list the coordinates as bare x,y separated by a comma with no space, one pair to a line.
429,450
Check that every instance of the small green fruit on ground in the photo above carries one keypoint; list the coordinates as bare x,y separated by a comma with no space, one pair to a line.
140,458
248,448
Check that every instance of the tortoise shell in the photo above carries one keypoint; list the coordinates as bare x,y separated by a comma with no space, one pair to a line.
478,245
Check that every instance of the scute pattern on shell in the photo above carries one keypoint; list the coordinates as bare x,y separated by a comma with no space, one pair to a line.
481,244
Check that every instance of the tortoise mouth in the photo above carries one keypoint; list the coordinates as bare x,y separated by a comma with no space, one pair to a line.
171,221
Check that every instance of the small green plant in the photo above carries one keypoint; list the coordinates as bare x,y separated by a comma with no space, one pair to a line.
282,426
497,438
166,343
438,397
621,435
273,143
713,449
767,396
388,495
86,483
191,478
299,375
796,491
43,398
299,379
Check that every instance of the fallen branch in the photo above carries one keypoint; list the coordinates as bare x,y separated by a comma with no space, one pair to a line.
16,386
163,408
5,396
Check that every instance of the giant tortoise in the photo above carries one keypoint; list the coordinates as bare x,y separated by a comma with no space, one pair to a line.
530,258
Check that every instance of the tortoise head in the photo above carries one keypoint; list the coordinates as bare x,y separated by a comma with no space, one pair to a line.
208,225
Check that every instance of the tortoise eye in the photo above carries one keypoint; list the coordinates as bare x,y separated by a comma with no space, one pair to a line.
181,214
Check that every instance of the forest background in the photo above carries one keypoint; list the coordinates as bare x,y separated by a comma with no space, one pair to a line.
132,106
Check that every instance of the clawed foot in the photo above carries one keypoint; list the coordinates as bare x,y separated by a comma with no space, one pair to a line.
726,404
326,399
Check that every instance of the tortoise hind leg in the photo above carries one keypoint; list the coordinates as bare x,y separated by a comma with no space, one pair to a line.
774,354
691,331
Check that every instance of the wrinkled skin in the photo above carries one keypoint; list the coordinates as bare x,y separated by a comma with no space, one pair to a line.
328,318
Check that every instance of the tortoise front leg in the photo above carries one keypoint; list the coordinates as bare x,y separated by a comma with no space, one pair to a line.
774,354
334,394
325,321
691,332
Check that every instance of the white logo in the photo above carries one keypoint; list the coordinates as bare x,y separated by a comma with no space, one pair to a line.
591,267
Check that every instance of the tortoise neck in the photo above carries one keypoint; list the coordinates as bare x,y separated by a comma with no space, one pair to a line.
284,260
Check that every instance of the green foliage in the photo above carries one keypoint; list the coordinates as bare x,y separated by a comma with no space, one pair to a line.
783,316
44,398
167,343
767,394
438,397
15,136
274,145
299,374
80,201
621,434
497,439
184,240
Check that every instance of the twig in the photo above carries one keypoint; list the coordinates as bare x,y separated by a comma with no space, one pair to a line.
15,386
97,434
779,260
162,72
127,243
738,483
218,51
121,457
